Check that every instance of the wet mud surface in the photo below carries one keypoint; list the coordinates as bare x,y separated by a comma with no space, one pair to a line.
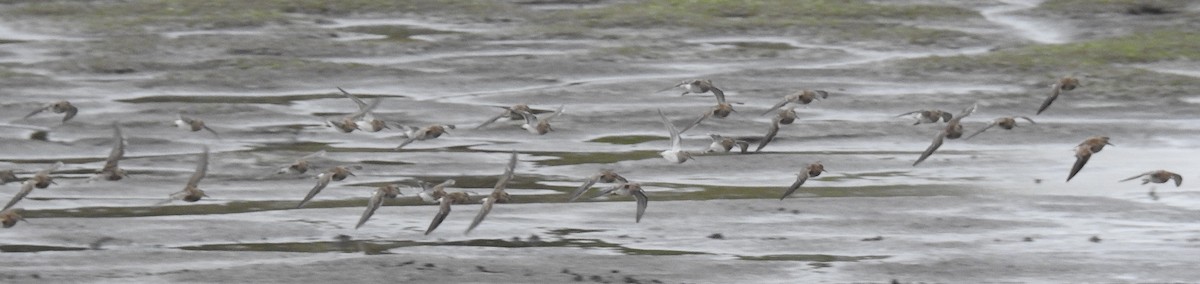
263,74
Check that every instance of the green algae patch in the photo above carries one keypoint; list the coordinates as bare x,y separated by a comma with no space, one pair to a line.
1163,45
859,20
627,139
747,13
170,15
569,231
394,32
1133,7
36,248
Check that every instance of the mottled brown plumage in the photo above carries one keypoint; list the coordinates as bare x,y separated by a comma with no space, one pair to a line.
1084,151
799,97
111,171
811,171
513,113
337,173
1159,176
10,216
724,144
605,176
539,126
1006,123
1063,85
929,116
953,130
630,189
193,124
41,179
422,134
498,194
57,107
389,191
191,192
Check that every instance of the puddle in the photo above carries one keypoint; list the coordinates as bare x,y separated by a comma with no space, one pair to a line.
1034,29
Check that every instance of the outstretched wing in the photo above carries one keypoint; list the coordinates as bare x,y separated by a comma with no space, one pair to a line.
118,149
322,182
556,113
1178,179
937,142
795,185
642,201
1049,100
483,212
318,153
1027,119
676,142
35,112
372,205
609,190
717,92
771,131
357,101
26,188
776,106
909,113
493,119
582,188
416,134
71,111
1137,176
443,211
508,174
1081,159
981,130
201,169
697,122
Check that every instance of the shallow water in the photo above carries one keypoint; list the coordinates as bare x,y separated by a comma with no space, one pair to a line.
872,217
